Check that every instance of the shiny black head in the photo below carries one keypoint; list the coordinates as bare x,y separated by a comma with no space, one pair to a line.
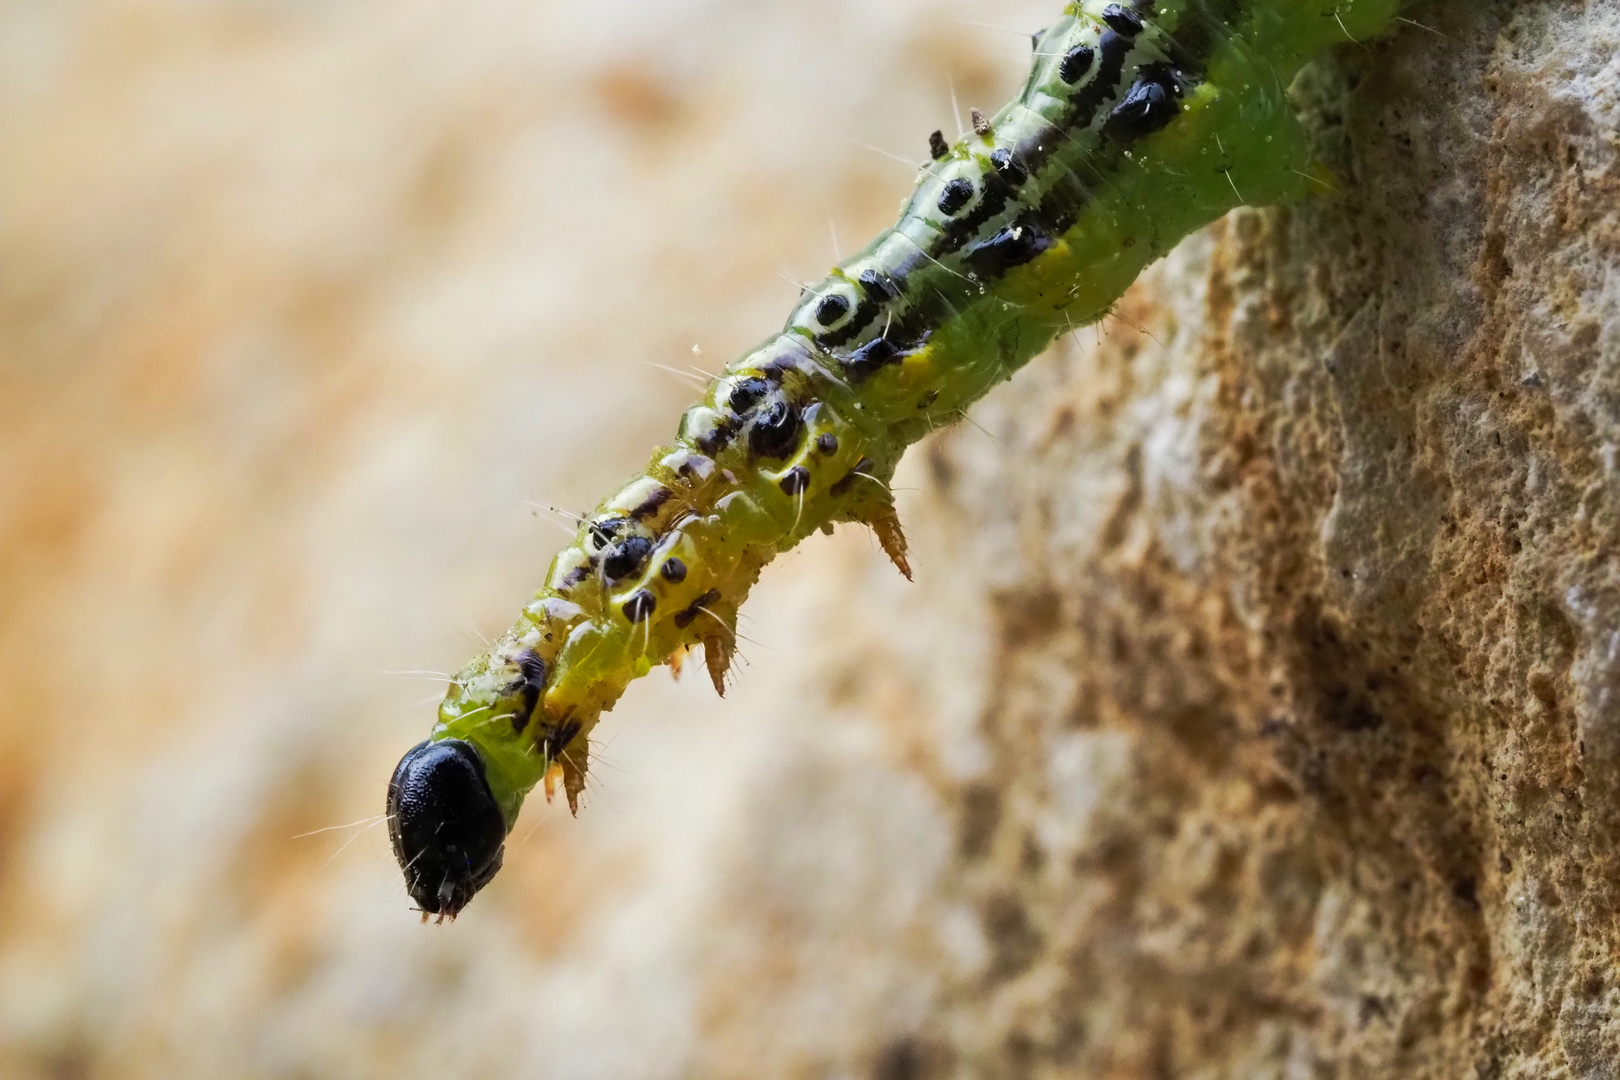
448,833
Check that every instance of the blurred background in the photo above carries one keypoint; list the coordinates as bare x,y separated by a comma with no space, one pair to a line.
308,308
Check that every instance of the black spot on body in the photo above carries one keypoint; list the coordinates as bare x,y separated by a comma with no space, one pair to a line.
841,487
684,618
574,577
555,742
1011,246
747,393
1076,62
528,685
827,443
640,605
795,481
626,558
1122,20
956,194
1007,167
673,571
832,308
938,148
875,355
775,431
878,285
1147,106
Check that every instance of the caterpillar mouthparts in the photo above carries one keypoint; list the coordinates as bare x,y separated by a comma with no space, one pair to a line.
1138,124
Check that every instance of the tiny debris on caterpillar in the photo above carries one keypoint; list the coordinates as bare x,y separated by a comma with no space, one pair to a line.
1138,124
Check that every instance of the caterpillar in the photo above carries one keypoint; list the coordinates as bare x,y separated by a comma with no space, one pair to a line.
1138,123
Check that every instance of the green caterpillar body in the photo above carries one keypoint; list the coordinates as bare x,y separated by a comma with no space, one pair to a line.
1136,126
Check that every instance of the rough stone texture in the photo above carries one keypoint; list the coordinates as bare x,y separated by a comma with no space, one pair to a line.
1254,715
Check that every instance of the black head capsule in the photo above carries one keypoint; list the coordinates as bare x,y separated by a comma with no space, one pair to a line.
448,833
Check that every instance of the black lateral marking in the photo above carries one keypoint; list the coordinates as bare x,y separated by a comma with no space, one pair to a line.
717,438
902,339
684,617
528,685
555,742
1013,245
839,489
639,606
1147,106
827,443
649,506
673,570
871,357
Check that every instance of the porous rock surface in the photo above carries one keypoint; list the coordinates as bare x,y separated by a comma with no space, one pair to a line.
1292,610
1256,711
